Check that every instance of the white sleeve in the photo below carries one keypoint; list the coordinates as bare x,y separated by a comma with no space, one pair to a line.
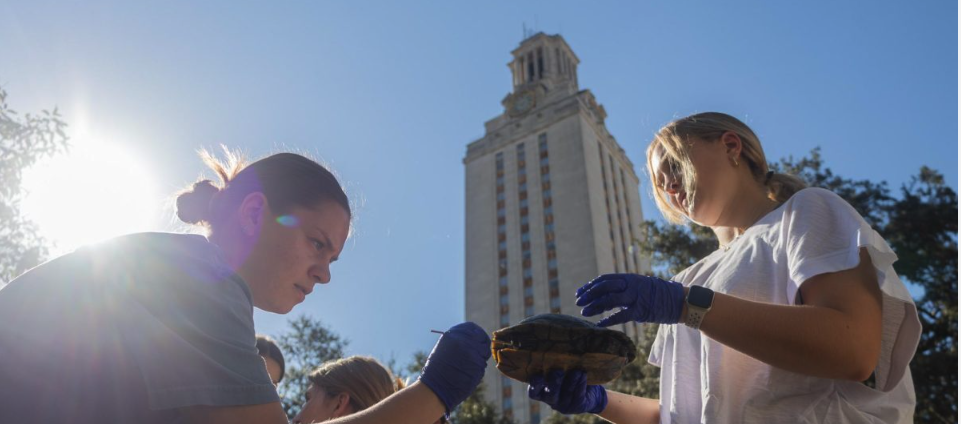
822,233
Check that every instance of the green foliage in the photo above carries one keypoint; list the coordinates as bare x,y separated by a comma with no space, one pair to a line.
871,200
420,359
476,410
673,248
23,141
921,227
408,373
640,378
306,345
923,230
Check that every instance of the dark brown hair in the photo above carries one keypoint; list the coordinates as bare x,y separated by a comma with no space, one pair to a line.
287,180
268,349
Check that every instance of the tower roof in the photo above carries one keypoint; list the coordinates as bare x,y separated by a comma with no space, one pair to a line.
541,37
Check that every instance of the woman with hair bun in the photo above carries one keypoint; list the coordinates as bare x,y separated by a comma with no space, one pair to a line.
158,327
783,323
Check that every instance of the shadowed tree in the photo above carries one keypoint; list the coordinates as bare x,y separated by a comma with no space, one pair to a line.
923,230
306,345
23,141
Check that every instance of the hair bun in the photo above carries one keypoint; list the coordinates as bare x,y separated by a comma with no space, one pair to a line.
193,206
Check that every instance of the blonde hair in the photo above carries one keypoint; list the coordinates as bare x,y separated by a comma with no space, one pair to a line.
675,140
362,377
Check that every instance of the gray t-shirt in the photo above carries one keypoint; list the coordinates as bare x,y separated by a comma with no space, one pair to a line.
129,330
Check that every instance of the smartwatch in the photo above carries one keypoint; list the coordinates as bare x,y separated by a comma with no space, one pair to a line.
699,301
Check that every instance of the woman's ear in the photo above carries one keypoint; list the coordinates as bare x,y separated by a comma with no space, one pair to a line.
344,407
732,144
251,213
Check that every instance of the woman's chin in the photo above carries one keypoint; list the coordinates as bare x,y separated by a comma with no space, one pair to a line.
278,307
704,220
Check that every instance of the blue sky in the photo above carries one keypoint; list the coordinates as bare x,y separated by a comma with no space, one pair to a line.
389,94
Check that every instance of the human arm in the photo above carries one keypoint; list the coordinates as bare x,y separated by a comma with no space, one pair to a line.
569,393
416,404
623,408
835,334
453,369
267,413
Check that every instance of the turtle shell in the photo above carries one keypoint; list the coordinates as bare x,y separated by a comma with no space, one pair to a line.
548,342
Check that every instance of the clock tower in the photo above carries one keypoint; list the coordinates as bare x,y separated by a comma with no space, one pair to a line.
544,68
552,201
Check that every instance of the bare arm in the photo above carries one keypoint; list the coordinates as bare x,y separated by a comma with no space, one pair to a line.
416,404
268,413
622,408
835,334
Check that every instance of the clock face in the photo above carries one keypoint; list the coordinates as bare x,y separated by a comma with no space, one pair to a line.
522,103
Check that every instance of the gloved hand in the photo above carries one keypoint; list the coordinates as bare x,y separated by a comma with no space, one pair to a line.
568,393
641,298
457,363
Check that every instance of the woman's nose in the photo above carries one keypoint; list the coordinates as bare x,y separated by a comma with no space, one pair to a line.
321,273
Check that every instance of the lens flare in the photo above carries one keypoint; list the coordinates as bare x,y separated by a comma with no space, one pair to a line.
288,220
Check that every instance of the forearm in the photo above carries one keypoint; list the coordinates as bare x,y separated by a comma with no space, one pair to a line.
416,404
622,408
811,340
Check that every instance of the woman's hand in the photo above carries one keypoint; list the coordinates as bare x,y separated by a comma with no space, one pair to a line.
641,298
457,363
568,393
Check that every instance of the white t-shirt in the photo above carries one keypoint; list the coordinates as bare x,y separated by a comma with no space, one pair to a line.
814,232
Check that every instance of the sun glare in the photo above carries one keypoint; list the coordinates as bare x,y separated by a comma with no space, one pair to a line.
93,192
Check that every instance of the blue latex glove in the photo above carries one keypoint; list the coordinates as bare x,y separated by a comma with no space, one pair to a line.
457,363
568,393
641,298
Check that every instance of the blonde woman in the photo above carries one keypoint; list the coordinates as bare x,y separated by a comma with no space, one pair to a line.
342,387
346,386
782,324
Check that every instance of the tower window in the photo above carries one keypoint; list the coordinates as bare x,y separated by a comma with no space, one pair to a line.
519,70
557,60
530,66
555,302
540,63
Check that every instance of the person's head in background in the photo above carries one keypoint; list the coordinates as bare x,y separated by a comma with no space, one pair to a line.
273,358
280,221
345,386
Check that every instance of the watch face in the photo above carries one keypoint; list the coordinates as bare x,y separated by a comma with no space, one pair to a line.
700,297
522,103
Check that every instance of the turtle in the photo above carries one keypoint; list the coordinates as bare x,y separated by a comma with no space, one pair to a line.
546,342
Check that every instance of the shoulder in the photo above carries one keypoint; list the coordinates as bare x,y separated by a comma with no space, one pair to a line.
815,197
818,205
174,263
165,244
